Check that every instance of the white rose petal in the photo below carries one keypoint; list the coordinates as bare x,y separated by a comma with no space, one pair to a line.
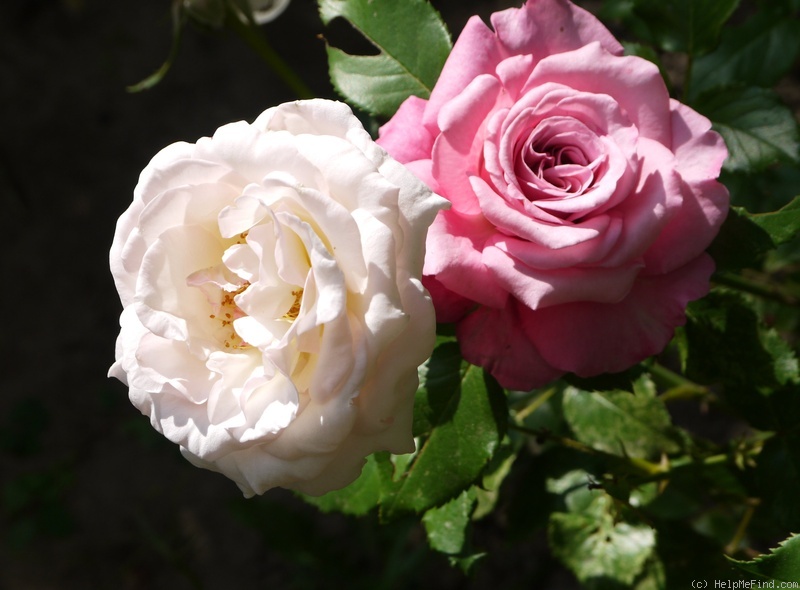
273,314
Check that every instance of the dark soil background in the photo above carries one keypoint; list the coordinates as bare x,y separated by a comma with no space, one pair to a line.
91,496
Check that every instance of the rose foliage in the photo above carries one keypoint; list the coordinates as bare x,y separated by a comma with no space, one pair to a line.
613,262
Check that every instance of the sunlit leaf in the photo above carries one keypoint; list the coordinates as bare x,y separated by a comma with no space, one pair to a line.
446,526
413,43
619,422
466,412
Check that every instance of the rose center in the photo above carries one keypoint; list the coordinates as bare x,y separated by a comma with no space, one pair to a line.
294,310
557,159
225,312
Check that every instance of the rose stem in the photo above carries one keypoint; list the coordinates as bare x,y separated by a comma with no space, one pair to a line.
252,35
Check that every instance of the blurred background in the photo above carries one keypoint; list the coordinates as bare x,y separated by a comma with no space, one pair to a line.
91,496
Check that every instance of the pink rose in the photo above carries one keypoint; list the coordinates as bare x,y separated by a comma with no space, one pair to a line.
583,197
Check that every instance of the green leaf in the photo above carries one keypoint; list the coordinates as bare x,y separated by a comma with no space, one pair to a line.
758,129
439,376
591,541
447,525
633,425
741,243
781,563
782,225
758,53
467,413
691,26
652,577
494,475
362,495
413,43
767,191
784,361
726,344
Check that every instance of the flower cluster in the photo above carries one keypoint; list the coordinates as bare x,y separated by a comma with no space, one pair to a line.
272,275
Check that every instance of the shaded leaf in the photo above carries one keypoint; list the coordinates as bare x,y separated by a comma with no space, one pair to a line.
741,243
413,43
758,53
781,563
467,414
743,353
691,26
758,129
653,576
689,556
618,422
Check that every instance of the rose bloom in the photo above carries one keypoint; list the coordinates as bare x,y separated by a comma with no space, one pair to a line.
583,197
274,317
265,11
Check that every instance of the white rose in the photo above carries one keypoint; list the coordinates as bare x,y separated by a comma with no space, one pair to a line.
273,314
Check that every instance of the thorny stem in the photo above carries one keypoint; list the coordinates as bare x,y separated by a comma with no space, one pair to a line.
640,466
528,406
677,386
645,471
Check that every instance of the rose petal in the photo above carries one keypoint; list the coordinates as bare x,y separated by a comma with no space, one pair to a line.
635,83
544,288
404,136
493,339
590,338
